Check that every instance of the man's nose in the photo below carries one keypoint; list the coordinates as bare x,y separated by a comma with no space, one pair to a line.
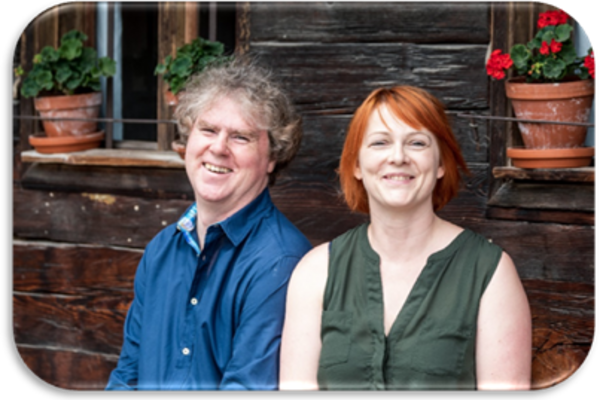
220,143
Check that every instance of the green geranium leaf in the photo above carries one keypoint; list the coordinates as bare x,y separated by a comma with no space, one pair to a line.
160,69
568,53
107,66
63,72
44,80
214,48
563,32
520,56
554,68
74,82
70,49
181,66
47,55
95,86
29,88
74,35
534,43
547,36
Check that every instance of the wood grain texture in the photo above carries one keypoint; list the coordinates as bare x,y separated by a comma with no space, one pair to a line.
68,369
369,22
334,77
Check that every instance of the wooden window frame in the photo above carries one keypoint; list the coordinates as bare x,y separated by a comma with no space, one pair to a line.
179,24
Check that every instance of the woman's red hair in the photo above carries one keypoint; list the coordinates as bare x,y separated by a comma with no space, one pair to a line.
418,109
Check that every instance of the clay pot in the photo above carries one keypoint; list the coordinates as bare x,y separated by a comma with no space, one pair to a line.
65,144
179,147
551,158
171,99
564,101
73,106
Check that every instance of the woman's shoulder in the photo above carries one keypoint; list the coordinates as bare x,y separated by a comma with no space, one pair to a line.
314,262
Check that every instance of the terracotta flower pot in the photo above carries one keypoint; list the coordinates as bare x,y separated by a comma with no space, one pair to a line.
73,106
551,158
65,144
564,101
179,147
171,99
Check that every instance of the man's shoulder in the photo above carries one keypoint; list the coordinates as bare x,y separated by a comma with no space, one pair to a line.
280,234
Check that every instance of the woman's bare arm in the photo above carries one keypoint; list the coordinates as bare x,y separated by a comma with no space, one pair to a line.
301,338
504,332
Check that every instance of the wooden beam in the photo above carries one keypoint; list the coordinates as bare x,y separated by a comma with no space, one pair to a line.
582,175
171,35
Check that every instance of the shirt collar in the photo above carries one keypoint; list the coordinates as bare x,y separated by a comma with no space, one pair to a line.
236,227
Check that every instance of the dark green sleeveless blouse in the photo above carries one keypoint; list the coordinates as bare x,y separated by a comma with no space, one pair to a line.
431,344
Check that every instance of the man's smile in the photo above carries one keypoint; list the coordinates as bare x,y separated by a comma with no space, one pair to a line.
216,169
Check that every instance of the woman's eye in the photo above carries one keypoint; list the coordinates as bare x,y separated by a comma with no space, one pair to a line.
377,143
418,143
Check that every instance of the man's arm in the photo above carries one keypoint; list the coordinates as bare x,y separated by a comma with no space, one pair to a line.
254,362
125,375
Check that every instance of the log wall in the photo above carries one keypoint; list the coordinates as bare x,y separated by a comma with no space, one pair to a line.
79,231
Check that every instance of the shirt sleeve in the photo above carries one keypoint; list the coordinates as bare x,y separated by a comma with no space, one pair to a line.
125,375
255,357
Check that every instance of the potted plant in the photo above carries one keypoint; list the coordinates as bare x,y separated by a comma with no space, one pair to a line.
65,83
189,59
552,83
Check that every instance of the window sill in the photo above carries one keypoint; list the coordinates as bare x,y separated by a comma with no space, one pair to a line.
109,157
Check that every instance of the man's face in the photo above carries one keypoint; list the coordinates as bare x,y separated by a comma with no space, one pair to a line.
227,158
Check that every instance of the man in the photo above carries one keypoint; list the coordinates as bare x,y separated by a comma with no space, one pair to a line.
210,290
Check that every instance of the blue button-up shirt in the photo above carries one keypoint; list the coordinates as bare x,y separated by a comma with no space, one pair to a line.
211,318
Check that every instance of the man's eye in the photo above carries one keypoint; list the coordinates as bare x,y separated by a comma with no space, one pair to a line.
241,138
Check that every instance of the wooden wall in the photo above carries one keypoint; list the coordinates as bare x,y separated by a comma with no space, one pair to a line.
79,231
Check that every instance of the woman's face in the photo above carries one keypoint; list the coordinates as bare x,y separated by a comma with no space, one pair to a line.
398,165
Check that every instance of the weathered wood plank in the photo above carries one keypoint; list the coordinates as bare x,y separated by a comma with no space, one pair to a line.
67,369
545,196
91,322
369,22
163,183
544,251
91,217
111,219
324,137
559,217
109,157
49,267
580,175
563,328
339,76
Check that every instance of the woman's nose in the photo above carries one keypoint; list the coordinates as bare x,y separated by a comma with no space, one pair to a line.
397,155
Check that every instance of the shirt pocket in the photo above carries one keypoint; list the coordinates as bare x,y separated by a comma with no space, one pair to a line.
440,351
335,337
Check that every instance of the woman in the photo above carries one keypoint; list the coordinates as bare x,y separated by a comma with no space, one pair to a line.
409,300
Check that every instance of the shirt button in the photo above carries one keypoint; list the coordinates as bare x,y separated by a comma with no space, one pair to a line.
203,257
185,351
194,301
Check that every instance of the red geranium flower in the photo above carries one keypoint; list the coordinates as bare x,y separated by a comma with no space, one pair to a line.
497,64
590,63
554,47
552,18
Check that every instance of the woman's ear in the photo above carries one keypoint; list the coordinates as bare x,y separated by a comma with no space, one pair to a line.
357,172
